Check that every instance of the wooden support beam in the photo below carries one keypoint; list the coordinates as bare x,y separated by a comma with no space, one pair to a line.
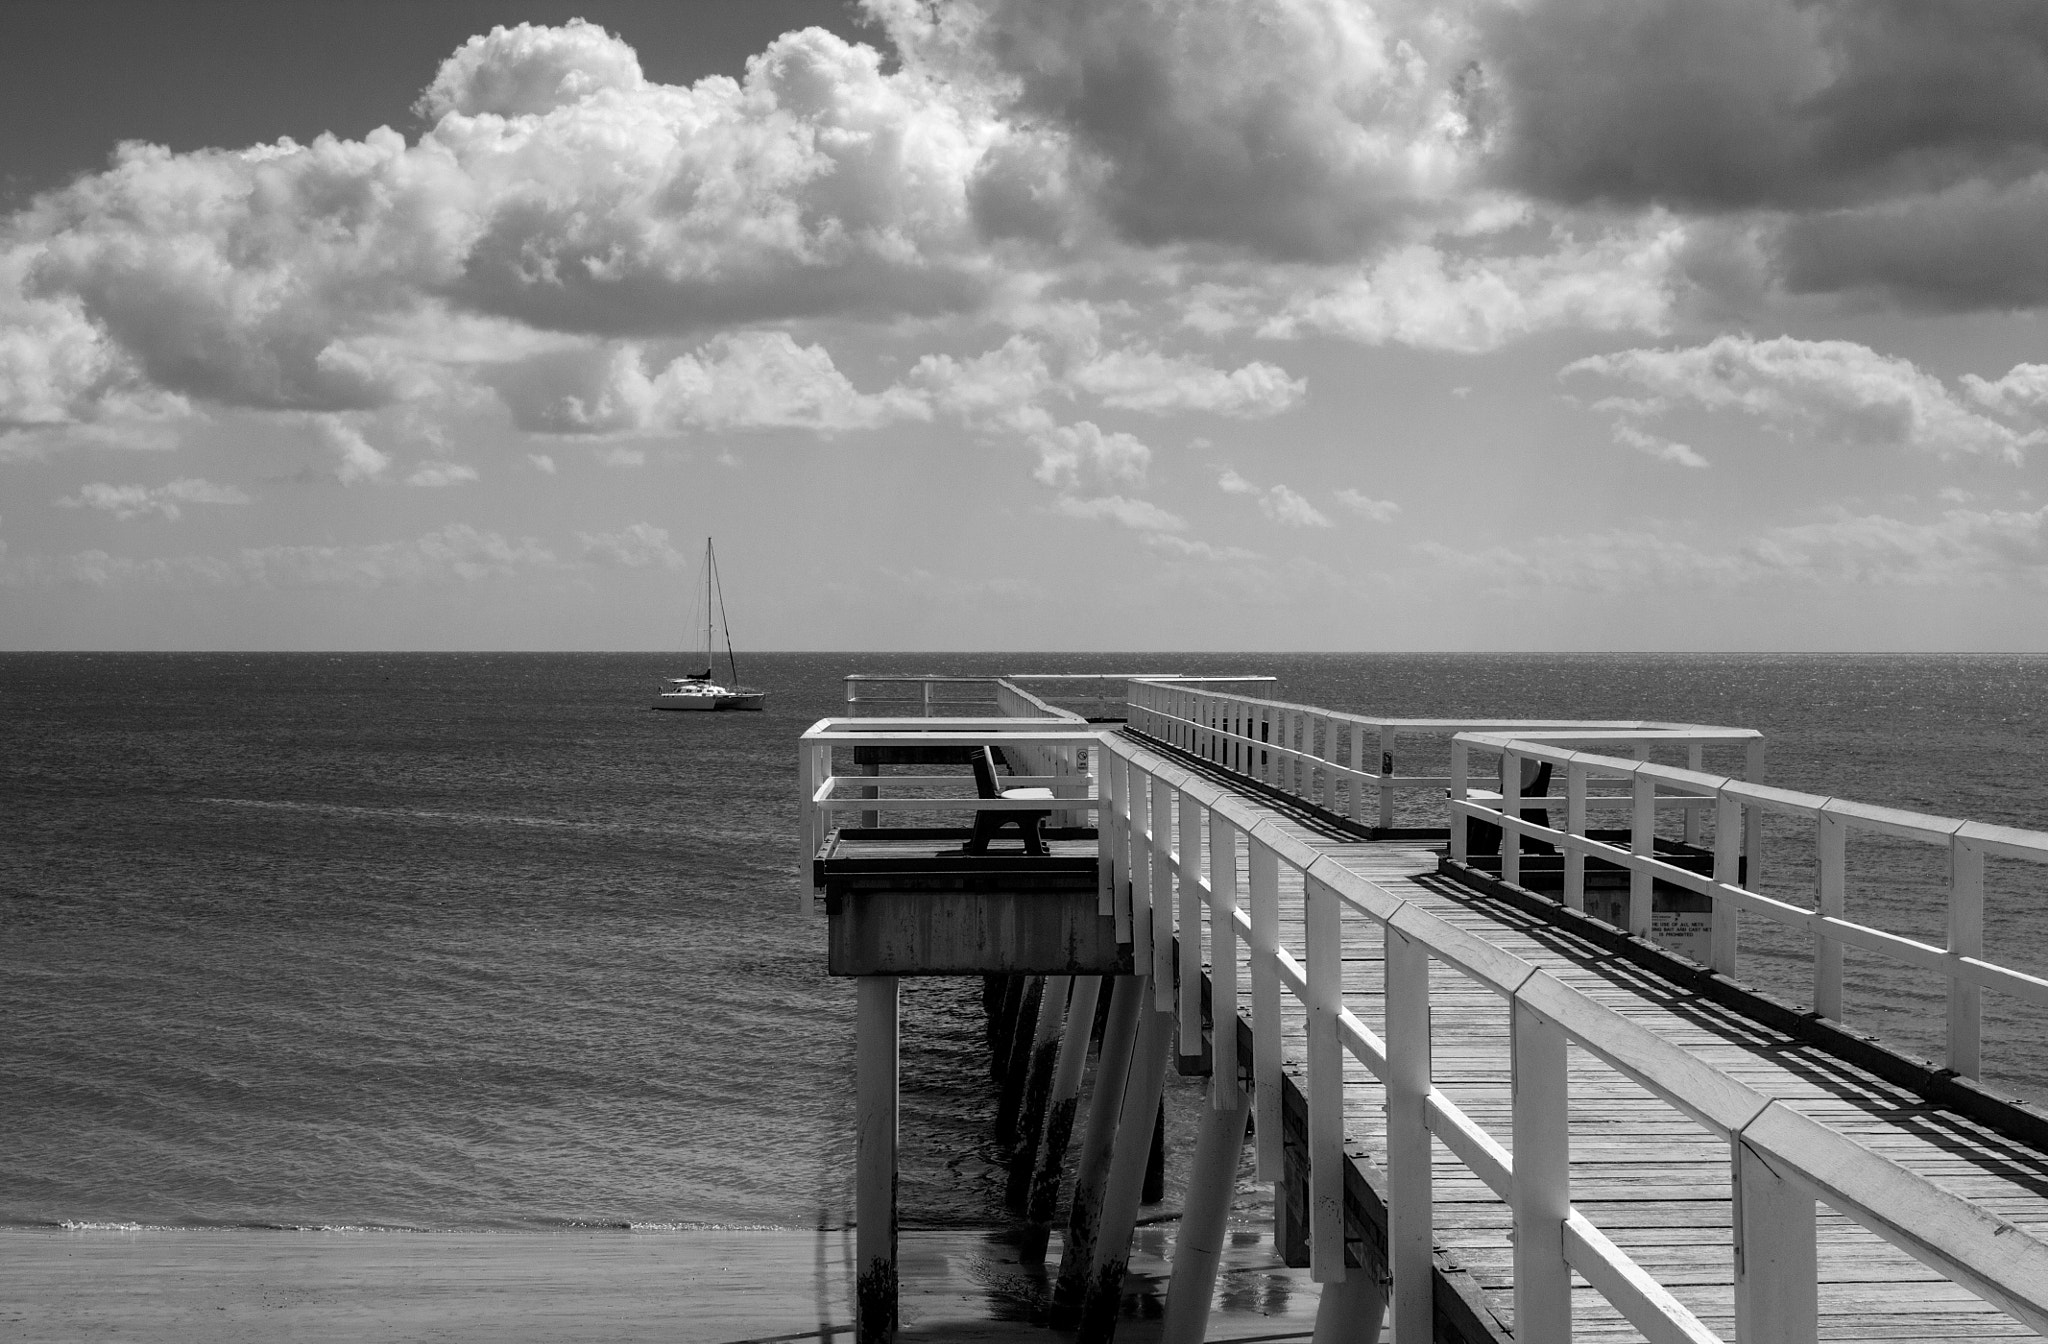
1198,1246
1016,1055
1121,1192
1060,1109
1045,1046
1091,1169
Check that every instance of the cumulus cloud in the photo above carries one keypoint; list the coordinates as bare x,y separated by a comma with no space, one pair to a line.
139,501
638,546
1070,454
531,71
1365,506
1308,131
748,380
1146,380
360,461
1137,514
542,463
1834,390
1422,295
2022,392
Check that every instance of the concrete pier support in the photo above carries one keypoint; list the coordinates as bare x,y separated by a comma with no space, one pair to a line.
875,1047
1204,1220
1120,1194
1119,1036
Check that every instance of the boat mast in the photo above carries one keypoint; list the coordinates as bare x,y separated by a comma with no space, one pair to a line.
732,662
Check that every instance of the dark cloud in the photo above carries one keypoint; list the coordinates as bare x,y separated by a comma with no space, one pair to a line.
1764,103
1976,247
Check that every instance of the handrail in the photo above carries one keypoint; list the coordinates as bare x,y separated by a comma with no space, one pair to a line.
1738,806
1320,755
1165,881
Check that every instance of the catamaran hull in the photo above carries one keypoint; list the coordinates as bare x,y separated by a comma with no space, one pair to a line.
701,703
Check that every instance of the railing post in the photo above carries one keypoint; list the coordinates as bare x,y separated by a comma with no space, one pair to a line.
1411,1231
1328,754
1753,834
1724,935
1510,809
1642,842
927,699
1965,939
1695,761
1575,826
1776,1266
1190,883
1324,934
1162,896
1355,798
1386,789
1263,868
1224,1083
1831,899
1541,1180
1141,870
1461,761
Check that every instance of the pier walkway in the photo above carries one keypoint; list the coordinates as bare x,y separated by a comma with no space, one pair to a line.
1494,1105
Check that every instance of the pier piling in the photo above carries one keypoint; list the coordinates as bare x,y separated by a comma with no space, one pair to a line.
1045,1044
1204,1218
1111,1251
1018,1048
1062,1102
1091,1170
875,1179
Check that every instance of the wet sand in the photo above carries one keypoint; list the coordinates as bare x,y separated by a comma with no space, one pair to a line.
184,1287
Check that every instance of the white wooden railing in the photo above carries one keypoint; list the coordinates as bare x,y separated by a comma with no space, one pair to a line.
1171,846
1321,755
1738,806
1100,696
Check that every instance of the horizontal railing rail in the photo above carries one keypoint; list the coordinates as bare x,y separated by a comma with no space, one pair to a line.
1067,745
1345,763
1171,840
1738,807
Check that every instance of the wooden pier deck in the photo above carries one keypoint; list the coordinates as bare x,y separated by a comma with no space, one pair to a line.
1653,1180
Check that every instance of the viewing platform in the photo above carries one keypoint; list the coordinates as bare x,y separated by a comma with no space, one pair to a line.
1487,1031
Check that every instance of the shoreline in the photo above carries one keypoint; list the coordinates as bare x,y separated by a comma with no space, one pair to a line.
188,1285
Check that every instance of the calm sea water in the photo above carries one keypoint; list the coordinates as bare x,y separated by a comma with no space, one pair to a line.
478,941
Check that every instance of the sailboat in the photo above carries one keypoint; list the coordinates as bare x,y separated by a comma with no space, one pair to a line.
697,691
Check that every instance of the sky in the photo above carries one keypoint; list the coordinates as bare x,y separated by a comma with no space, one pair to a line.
1025,324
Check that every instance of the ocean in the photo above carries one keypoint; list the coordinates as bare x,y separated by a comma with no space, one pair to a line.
449,942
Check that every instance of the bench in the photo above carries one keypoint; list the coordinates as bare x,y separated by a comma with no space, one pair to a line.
1483,837
987,785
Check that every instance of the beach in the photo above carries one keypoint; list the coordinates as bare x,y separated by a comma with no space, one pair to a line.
700,1287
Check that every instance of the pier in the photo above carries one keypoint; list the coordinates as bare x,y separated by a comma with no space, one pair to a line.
1470,990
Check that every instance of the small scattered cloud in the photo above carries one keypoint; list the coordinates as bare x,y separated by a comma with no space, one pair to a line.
437,475
1191,549
623,457
1284,505
638,546
1365,506
1137,514
1070,454
1148,381
542,463
1650,445
360,461
140,501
